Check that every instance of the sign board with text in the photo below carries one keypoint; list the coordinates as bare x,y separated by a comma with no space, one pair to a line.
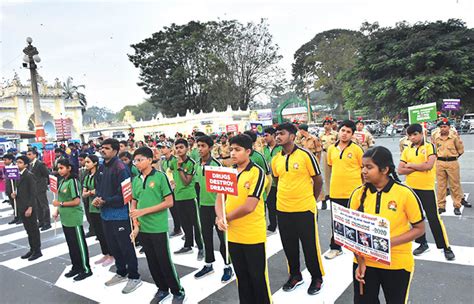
12,172
422,113
53,184
451,105
221,180
364,234
360,136
127,190
232,128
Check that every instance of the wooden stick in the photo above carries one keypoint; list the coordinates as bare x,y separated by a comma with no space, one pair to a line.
55,218
14,200
361,288
131,222
226,241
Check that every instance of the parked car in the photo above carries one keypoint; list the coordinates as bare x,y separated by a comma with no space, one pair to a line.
399,125
468,122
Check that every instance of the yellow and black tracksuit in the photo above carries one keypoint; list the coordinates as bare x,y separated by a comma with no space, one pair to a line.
247,237
402,208
297,210
423,183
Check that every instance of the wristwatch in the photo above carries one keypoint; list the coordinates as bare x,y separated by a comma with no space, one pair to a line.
61,204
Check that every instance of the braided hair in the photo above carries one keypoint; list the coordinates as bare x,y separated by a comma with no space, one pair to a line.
382,157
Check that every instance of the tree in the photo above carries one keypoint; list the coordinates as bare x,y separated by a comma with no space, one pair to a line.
71,91
98,115
321,62
412,64
202,66
143,111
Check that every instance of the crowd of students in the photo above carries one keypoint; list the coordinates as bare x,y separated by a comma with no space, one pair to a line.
282,182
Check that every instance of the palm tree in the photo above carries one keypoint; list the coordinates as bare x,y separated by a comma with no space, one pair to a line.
70,91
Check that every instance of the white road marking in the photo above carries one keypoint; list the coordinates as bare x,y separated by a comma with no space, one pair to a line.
464,255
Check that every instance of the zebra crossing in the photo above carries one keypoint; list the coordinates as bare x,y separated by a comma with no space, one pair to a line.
337,281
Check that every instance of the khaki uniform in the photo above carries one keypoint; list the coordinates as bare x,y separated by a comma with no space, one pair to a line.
448,149
404,142
436,131
223,154
327,139
367,142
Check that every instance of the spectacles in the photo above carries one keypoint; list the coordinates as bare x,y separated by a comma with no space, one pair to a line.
138,160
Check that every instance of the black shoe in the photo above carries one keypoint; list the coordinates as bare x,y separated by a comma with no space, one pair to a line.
421,249
82,276
72,273
142,250
449,254
89,234
35,256
315,286
292,283
271,228
466,203
324,205
13,221
176,233
27,255
457,211
184,250
178,299
46,227
441,210
160,297
206,270
19,222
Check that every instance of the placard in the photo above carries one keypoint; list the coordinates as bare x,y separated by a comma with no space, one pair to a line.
53,184
364,234
232,128
127,190
12,172
422,113
2,176
221,180
451,105
360,136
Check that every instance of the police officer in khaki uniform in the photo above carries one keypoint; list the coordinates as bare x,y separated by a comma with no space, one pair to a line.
224,151
328,137
404,141
449,148
363,137
308,141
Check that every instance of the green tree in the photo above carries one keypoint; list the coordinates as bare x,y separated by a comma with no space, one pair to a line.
98,115
412,64
321,62
143,111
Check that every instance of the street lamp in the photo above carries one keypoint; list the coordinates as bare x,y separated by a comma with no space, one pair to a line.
31,57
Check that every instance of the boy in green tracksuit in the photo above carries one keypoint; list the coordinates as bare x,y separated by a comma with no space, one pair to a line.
71,211
185,199
152,196
208,213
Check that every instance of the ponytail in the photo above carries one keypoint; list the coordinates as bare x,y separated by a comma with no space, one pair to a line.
362,198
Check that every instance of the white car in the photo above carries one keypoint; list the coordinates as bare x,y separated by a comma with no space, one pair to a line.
469,119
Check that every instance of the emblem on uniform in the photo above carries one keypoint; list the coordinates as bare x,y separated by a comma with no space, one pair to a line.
423,151
296,166
65,190
247,185
151,184
349,155
392,205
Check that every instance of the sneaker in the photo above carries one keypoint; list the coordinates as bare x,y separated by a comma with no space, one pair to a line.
108,262
449,254
132,284
72,273
175,233
184,250
441,210
27,255
333,253
101,260
200,256
204,272
271,229
35,255
178,299
82,276
116,279
292,283
421,249
324,205
466,203
89,234
13,221
315,286
45,227
142,250
160,297
457,211
228,274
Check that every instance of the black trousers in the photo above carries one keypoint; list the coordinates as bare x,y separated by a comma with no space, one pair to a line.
88,216
428,201
271,206
42,207
117,235
250,265
344,203
32,230
189,216
175,214
208,223
395,285
161,266
96,225
78,252
296,227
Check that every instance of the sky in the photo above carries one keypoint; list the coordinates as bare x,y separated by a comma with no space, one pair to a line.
90,40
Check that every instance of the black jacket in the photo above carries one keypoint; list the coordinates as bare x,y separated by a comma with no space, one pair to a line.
41,174
25,191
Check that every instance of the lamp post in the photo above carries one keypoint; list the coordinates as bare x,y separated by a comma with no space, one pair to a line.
31,57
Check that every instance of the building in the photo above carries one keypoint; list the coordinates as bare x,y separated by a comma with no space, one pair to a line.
16,107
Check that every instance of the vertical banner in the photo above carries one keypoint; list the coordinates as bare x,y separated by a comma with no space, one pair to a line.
127,190
53,184
364,234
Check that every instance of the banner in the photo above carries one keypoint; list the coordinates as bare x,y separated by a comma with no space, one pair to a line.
221,180
2,176
451,105
257,128
360,136
53,184
232,128
12,172
127,190
422,113
362,233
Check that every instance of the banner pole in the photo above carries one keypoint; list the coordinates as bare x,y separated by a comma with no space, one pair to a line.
225,232
55,218
14,200
131,222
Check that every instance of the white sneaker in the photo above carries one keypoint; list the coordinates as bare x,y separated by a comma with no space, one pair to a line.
132,284
116,279
332,254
